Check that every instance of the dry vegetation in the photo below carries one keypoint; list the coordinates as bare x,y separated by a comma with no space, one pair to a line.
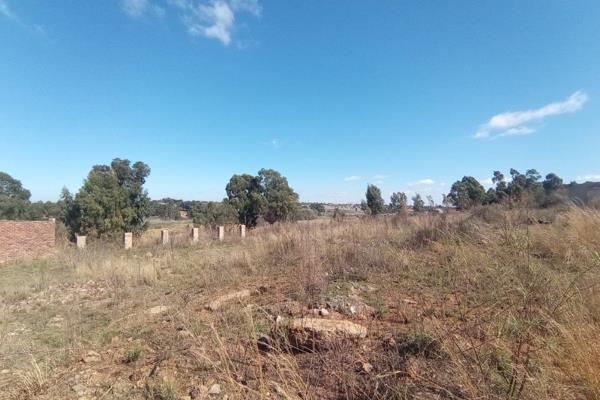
495,304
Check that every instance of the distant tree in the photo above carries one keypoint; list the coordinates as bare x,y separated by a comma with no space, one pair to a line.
552,183
501,190
398,201
338,215
430,201
14,199
213,213
304,213
281,200
245,195
112,200
319,208
375,203
466,193
70,214
268,195
418,203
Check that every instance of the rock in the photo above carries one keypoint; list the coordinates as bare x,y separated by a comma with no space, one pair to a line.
264,343
5,371
367,368
158,310
315,333
323,312
79,389
214,389
351,306
219,301
279,320
91,357
409,301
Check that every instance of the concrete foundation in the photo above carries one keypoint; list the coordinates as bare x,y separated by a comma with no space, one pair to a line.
195,235
242,231
221,233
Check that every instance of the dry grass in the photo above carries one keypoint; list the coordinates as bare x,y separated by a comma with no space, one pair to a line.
495,304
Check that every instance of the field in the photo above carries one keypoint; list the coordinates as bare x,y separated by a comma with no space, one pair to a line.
492,304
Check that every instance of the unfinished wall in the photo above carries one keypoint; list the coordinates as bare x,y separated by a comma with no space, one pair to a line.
26,239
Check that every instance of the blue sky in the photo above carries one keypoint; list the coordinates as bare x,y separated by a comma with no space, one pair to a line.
410,95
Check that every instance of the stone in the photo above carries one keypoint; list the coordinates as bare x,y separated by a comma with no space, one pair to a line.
315,333
195,234
219,301
242,231
158,310
367,368
5,371
323,312
221,233
264,343
91,357
164,236
214,389
351,306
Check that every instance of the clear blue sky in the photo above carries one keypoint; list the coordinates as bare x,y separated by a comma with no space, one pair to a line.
410,95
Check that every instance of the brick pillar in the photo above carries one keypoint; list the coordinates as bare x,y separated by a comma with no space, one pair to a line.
128,240
242,231
221,233
164,236
81,241
195,234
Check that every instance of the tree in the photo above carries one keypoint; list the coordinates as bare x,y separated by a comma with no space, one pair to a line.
552,183
213,213
398,201
319,208
501,191
375,202
112,200
14,199
418,203
268,194
70,213
430,201
281,200
466,193
245,195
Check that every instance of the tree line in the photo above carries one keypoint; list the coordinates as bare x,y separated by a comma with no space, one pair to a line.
469,192
113,200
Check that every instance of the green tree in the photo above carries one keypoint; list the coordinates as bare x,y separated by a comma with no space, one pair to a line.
418,203
552,183
466,193
213,213
375,202
14,199
268,195
112,200
244,194
398,201
281,200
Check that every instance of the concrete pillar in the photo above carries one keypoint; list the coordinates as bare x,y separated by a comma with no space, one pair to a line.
221,233
195,235
128,240
80,242
242,231
164,236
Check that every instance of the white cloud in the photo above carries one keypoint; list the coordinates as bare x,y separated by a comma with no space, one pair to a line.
138,8
515,123
352,178
380,177
7,11
214,19
588,178
426,182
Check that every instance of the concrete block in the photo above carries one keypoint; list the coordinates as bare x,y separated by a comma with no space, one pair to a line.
242,231
221,233
81,241
195,235
164,236
128,240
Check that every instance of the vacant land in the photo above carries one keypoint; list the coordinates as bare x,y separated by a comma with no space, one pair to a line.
493,304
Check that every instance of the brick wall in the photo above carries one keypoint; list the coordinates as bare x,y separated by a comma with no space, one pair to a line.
26,239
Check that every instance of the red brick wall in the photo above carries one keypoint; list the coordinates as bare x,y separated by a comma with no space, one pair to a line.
26,239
